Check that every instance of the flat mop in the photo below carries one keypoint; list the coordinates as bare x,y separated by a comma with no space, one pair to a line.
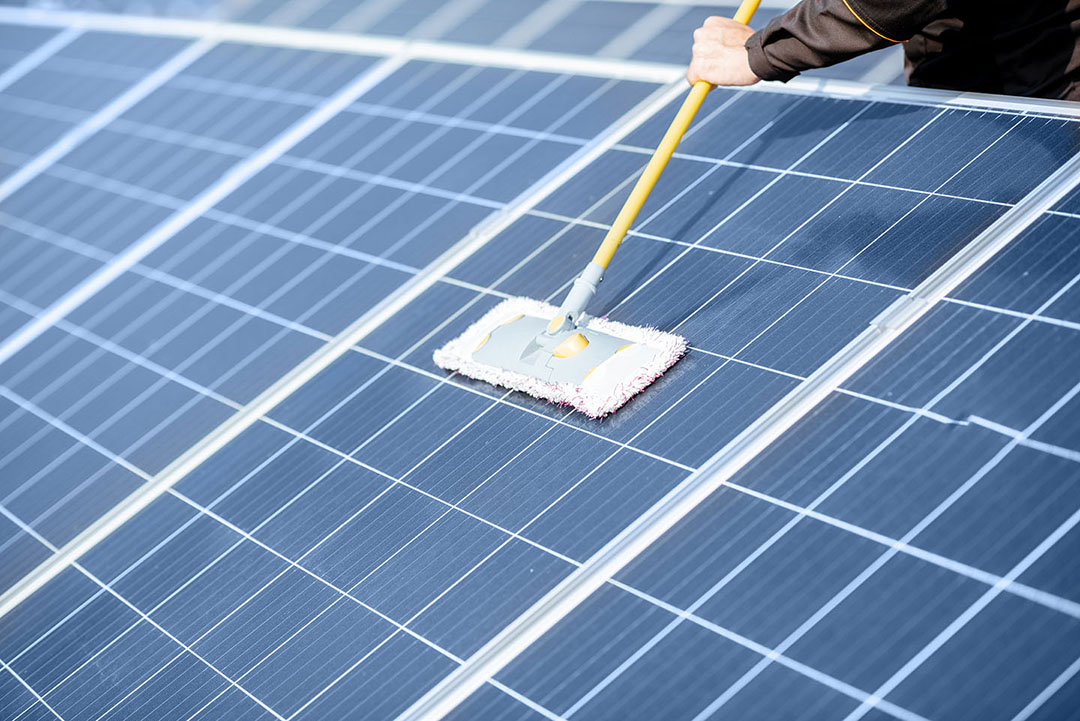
561,354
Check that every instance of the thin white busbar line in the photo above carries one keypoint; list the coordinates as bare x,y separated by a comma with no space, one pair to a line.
569,594
1020,437
315,363
42,53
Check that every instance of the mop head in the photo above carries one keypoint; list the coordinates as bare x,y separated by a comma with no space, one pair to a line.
630,357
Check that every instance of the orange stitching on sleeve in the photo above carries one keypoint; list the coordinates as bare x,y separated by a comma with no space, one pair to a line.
867,26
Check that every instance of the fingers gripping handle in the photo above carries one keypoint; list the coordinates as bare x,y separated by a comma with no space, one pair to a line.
585,286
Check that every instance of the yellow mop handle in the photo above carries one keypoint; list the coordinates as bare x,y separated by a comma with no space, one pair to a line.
661,157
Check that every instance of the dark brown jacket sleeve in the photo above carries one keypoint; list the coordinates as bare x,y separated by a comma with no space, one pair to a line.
819,33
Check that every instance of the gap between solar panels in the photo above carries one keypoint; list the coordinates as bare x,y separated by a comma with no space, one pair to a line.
648,528
310,367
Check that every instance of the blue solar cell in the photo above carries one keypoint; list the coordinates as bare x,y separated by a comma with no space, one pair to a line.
406,18
590,26
394,675
39,274
21,40
700,551
981,530
659,685
326,14
15,698
149,165
1021,381
23,551
934,156
1033,268
1033,147
876,133
209,113
496,592
121,668
605,640
24,133
1001,632
487,24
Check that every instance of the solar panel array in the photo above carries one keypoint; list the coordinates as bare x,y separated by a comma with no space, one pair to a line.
190,220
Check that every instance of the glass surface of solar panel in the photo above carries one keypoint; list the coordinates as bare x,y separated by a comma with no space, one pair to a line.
909,546
358,529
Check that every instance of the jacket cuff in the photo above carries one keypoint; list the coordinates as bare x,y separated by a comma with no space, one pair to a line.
760,63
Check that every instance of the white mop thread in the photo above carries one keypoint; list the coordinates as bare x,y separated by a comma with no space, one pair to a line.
599,395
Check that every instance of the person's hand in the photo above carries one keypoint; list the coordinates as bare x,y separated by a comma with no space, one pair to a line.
720,55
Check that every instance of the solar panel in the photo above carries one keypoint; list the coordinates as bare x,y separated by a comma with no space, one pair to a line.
910,536
347,544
